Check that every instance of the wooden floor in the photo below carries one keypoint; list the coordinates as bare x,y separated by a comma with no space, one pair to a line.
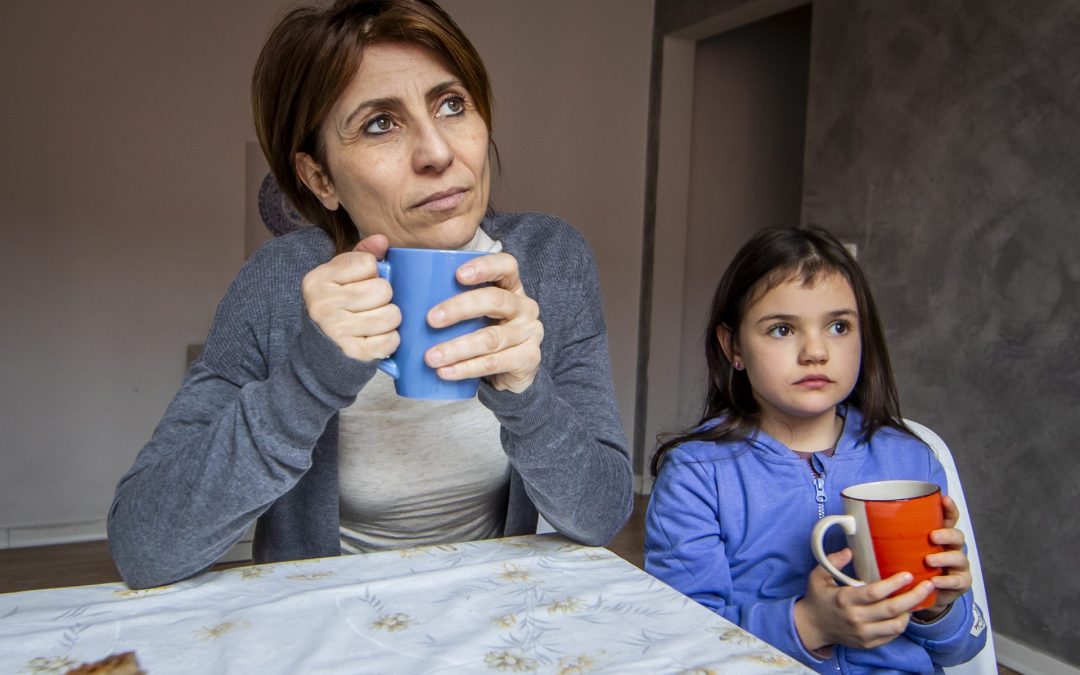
25,569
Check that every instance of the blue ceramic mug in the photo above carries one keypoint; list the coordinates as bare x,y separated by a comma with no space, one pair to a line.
422,278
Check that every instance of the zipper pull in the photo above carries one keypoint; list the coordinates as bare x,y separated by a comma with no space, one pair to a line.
820,497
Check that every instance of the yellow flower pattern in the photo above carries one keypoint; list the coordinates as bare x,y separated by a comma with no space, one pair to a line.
505,621
511,661
566,606
392,622
516,574
220,630
48,665
576,665
254,572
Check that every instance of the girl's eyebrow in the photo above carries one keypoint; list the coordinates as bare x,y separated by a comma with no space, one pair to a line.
834,314
395,102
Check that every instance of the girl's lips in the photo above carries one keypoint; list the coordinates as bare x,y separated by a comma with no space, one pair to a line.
814,381
441,201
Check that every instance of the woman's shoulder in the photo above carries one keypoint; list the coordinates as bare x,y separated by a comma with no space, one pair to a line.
533,233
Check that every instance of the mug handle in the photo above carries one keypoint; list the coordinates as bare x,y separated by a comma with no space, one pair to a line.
387,365
817,541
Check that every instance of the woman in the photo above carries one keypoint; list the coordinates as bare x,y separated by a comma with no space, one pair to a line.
375,116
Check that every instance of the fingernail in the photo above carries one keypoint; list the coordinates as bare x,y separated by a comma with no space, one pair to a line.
468,272
435,357
907,578
438,316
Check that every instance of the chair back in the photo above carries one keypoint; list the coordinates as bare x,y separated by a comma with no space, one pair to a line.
985,662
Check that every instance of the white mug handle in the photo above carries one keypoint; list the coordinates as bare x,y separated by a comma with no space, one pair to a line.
817,539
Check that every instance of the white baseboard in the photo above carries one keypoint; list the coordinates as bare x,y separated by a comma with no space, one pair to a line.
56,533
1027,661
92,530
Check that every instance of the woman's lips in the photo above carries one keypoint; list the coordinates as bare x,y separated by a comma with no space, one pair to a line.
442,201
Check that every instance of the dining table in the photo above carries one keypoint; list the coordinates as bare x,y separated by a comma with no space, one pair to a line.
528,604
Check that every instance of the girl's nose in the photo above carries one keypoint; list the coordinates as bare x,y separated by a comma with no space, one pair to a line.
431,151
814,350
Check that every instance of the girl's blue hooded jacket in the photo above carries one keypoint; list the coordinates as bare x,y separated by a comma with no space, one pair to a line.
729,525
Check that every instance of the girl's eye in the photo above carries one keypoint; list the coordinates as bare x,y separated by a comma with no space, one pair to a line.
840,328
451,107
380,125
780,330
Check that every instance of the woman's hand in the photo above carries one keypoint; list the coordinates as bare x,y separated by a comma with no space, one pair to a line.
350,303
956,579
507,352
857,616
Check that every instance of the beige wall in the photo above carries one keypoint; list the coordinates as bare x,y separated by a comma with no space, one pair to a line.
122,206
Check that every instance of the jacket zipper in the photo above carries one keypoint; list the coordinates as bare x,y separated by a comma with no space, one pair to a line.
819,487
820,497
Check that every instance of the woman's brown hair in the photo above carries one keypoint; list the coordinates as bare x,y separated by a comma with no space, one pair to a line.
307,62
773,256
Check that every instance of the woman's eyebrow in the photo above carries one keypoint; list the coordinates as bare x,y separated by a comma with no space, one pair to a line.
395,102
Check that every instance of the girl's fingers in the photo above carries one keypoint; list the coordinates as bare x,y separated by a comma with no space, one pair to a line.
950,511
949,537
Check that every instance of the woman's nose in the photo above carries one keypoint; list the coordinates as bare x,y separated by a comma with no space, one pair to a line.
431,151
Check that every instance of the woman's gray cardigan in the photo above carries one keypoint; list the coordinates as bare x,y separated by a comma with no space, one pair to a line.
252,432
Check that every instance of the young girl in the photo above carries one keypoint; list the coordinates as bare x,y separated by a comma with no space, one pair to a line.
801,403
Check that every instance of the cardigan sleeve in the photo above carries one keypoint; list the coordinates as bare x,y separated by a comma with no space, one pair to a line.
237,435
563,434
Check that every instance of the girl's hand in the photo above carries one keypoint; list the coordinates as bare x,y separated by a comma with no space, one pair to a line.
350,303
507,353
857,616
956,579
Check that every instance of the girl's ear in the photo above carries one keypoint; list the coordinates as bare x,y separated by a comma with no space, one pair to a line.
316,179
729,344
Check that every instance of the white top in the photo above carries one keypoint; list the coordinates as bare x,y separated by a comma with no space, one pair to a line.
412,472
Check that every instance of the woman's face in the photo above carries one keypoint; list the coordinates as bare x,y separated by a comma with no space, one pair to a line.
406,152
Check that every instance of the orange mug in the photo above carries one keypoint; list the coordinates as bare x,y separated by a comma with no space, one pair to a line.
888,525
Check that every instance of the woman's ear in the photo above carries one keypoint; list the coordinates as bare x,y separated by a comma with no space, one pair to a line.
317,180
729,345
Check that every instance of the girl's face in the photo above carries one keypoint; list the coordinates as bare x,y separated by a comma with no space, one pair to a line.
406,151
801,348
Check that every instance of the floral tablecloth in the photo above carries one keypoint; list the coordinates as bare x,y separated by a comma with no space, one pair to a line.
535,604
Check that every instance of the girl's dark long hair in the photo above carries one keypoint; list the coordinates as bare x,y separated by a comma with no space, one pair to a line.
773,256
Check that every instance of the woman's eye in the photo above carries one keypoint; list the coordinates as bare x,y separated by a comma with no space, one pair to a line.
780,330
379,125
451,106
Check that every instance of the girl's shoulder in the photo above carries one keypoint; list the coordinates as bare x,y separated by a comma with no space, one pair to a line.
707,451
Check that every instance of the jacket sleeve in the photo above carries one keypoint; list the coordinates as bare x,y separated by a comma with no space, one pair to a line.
562,434
236,436
685,548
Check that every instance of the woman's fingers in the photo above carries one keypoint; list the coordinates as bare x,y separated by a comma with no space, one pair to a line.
490,301
500,269
352,305
506,352
515,367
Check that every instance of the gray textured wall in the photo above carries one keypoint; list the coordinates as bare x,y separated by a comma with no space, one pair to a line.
946,134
